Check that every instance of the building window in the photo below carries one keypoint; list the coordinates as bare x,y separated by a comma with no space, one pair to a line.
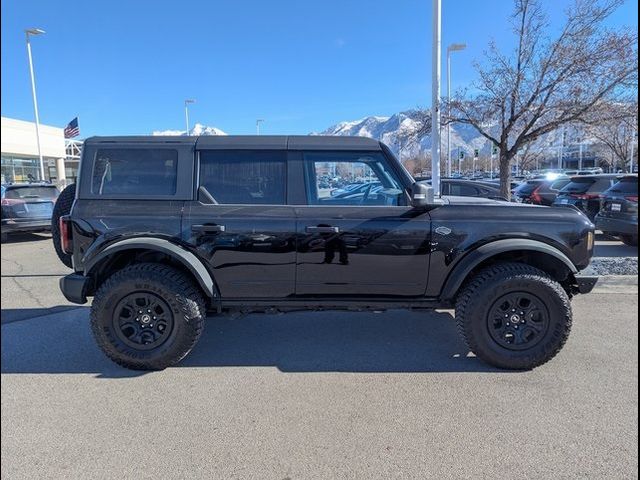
19,169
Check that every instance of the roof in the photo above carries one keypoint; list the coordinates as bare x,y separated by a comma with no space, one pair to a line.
267,142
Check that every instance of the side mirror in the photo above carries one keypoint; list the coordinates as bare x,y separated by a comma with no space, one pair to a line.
421,195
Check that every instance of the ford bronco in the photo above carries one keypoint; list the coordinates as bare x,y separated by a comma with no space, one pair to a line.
161,231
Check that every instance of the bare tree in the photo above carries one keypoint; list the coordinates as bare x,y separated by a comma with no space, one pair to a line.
548,82
617,130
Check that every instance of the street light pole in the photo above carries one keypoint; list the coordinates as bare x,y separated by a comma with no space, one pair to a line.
454,47
186,113
258,122
435,97
35,31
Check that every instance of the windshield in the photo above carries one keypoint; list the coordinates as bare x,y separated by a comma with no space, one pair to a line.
39,193
578,185
626,186
527,187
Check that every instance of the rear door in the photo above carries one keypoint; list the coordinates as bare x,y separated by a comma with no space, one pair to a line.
364,244
240,222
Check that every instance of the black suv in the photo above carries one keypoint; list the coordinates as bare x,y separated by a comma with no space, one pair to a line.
27,207
165,229
619,213
585,192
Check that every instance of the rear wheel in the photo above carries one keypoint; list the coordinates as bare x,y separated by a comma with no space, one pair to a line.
514,316
630,240
62,207
147,316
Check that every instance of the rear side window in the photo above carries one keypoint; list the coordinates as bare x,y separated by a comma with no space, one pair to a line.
244,177
578,185
602,184
44,193
134,171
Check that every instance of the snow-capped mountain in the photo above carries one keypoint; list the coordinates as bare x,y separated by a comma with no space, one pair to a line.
198,129
397,132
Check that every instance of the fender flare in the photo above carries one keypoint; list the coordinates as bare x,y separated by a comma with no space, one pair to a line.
462,269
182,255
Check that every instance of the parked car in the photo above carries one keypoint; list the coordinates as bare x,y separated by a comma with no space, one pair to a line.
27,207
166,229
618,215
591,171
583,192
539,191
457,187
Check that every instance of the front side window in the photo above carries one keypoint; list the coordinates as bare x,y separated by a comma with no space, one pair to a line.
243,177
134,171
346,178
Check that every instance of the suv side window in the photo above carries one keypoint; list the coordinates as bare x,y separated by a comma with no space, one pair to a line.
243,177
350,178
461,190
134,171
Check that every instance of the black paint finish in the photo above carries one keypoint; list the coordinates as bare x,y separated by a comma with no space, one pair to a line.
320,255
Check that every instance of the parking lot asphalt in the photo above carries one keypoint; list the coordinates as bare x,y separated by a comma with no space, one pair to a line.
310,395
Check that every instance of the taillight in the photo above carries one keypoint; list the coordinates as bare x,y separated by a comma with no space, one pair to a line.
585,196
65,234
632,198
535,196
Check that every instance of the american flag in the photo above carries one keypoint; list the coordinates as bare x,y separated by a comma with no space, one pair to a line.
72,130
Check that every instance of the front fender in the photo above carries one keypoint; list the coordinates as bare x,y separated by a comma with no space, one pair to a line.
469,262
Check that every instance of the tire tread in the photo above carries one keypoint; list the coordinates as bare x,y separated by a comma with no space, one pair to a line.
187,293
502,272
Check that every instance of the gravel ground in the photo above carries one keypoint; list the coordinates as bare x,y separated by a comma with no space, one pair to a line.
612,266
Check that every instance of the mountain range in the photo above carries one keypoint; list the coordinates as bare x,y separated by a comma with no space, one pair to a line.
398,132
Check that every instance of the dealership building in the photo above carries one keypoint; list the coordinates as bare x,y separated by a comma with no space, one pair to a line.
20,161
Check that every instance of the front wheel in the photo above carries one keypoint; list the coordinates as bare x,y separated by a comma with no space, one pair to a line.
514,316
147,316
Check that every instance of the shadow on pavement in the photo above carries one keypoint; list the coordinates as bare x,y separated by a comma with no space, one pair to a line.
10,315
27,237
394,341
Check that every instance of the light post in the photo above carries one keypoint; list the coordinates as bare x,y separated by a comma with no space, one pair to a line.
258,122
634,137
454,47
28,32
186,113
435,96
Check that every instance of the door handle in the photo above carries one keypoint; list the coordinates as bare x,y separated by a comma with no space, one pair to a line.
324,229
207,228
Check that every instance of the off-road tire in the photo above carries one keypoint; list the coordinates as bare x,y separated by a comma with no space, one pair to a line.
183,297
630,240
62,207
480,294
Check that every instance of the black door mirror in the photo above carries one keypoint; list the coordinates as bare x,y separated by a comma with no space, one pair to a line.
421,195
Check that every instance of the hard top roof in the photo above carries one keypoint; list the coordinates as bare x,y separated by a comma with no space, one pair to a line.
249,142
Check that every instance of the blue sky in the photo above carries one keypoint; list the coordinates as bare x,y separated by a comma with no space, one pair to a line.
125,67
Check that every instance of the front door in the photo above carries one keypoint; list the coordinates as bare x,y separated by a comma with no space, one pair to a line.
356,235
240,223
